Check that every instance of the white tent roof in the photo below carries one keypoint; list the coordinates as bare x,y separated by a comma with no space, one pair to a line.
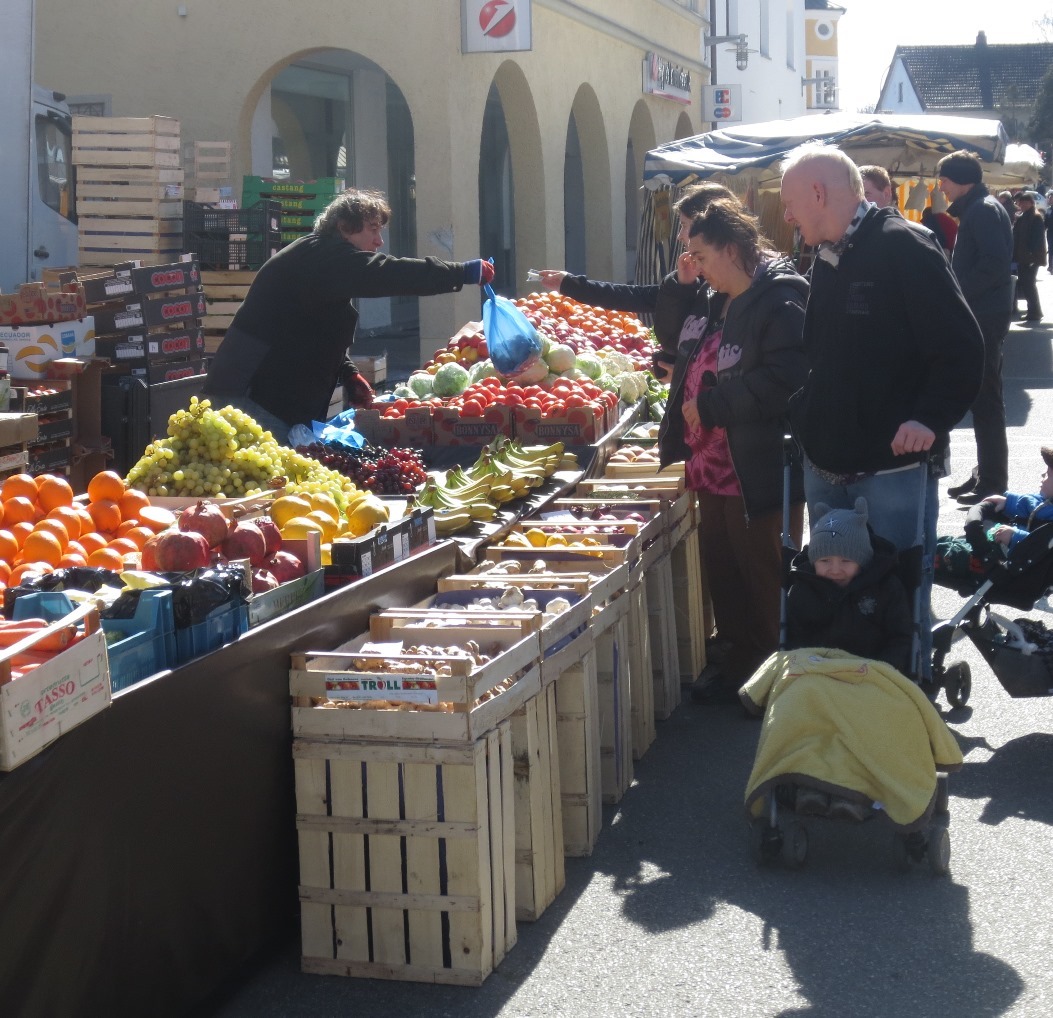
906,145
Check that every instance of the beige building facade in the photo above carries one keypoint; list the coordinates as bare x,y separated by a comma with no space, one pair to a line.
532,156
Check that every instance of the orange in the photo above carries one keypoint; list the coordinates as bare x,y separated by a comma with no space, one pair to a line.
53,491
19,509
137,535
55,527
27,569
5,573
69,518
133,502
105,512
76,548
42,546
106,558
86,522
106,485
123,546
1,512
125,526
92,541
21,531
19,484
8,546
72,559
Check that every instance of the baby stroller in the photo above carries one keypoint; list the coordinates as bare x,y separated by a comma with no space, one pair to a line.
1020,651
854,730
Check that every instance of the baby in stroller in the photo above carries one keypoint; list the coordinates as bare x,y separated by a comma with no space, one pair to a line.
846,733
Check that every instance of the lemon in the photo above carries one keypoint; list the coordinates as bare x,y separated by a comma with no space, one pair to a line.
327,554
323,502
367,514
287,507
329,525
555,541
537,538
299,527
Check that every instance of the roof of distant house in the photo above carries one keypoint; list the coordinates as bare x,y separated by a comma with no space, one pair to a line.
822,5
980,76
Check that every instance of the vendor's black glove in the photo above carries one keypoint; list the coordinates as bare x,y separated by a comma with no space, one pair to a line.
976,535
358,393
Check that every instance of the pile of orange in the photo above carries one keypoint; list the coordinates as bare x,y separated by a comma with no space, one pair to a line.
44,527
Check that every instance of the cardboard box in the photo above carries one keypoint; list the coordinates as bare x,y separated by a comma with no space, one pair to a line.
151,312
53,427
373,369
453,429
13,460
36,304
158,346
181,275
18,429
47,397
54,457
55,697
171,370
411,431
32,346
113,286
579,426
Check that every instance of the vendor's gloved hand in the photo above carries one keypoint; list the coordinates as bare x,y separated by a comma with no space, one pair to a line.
478,271
358,393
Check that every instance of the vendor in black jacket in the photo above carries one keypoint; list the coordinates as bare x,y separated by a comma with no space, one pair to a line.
845,593
895,356
287,348
739,357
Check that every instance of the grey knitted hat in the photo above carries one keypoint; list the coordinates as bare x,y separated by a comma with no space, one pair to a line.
841,533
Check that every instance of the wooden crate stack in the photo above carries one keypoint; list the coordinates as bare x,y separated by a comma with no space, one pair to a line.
129,188
224,292
208,171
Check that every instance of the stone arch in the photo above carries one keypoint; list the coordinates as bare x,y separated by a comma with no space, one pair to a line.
587,120
527,169
683,127
640,141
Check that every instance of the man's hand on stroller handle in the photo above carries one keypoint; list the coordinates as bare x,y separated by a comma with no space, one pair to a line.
912,436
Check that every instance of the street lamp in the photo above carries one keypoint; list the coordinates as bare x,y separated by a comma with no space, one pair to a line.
742,53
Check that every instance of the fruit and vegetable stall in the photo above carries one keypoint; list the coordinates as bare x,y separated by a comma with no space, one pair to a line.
379,682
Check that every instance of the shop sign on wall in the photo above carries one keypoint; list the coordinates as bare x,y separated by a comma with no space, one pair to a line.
722,104
664,78
495,26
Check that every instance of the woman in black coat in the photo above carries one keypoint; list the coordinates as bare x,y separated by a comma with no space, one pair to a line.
739,357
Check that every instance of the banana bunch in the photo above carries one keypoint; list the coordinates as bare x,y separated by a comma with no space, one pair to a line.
504,471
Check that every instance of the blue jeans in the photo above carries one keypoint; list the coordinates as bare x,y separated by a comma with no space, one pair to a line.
893,505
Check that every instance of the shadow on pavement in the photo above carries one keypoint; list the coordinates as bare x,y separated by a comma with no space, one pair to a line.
998,780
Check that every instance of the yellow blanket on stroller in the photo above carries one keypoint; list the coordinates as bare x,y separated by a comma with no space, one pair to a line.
852,727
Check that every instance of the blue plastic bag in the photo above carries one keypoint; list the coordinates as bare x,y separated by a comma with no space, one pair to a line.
513,343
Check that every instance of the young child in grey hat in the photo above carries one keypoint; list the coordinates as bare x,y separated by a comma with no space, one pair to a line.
845,592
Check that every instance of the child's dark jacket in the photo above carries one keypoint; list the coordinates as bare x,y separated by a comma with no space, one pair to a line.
870,617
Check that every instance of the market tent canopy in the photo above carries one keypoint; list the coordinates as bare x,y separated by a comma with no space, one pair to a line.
906,145
1022,168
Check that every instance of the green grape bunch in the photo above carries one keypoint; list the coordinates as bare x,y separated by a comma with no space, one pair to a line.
224,453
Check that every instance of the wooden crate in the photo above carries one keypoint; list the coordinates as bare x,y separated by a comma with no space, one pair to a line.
126,142
611,632
578,737
470,718
224,292
540,873
641,681
207,161
407,858
661,617
686,566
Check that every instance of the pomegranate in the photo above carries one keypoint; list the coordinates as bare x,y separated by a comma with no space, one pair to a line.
177,551
245,540
206,519
271,534
285,566
263,580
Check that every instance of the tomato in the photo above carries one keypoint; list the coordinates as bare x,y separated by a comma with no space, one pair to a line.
472,408
400,404
574,400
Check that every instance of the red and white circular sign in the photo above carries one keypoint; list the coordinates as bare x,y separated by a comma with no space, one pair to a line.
497,18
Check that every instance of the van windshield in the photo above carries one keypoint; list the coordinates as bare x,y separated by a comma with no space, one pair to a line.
54,158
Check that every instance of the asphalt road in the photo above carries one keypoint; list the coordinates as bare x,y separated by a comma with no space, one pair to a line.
670,917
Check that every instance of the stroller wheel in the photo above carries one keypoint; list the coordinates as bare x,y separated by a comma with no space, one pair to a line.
939,851
959,684
909,848
765,842
943,795
794,845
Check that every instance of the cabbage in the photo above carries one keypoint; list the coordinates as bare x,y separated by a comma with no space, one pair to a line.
546,382
403,392
607,383
589,364
450,380
422,383
560,358
480,370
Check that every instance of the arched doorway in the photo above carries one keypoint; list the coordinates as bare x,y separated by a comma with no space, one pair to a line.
587,189
683,127
511,180
640,141
336,114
